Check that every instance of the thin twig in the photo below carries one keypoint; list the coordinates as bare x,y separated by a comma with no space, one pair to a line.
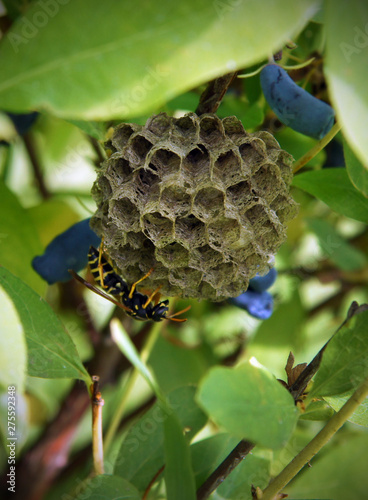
101,157
234,458
37,170
152,482
317,148
213,94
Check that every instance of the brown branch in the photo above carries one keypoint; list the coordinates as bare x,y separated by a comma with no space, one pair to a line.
101,157
234,458
37,170
213,94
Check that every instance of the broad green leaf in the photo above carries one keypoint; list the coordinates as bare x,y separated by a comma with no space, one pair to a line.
175,367
356,171
179,477
105,487
207,454
13,349
51,352
252,471
339,473
137,58
345,360
317,410
249,403
333,186
142,452
344,255
360,416
19,241
347,70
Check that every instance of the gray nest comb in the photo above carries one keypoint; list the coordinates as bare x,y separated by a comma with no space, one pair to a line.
198,198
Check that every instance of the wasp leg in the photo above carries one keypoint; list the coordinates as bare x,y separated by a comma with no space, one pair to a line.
100,265
179,320
149,300
136,283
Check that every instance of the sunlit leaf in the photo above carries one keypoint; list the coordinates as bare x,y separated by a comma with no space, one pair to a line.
249,403
19,241
345,360
347,70
356,171
77,66
51,352
333,186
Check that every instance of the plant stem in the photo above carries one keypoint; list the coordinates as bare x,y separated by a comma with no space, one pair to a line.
317,442
234,458
317,148
118,415
37,169
214,92
97,441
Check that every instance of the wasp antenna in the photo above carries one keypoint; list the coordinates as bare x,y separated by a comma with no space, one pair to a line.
98,292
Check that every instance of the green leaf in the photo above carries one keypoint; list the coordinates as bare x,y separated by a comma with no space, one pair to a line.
344,255
249,403
13,350
179,477
252,471
142,452
333,186
105,487
51,352
346,69
317,410
360,416
137,58
175,367
207,454
345,360
19,241
356,171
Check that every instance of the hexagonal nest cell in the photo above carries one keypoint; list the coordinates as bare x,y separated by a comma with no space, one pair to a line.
197,198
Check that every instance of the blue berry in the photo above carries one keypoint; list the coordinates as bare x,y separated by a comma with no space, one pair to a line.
258,305
294,106
69,250
262,283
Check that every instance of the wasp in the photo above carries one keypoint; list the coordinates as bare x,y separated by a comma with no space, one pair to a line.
137,305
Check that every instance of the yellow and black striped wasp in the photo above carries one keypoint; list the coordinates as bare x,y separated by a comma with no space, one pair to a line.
137,305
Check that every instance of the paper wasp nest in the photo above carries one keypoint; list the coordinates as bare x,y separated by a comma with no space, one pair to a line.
199,199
